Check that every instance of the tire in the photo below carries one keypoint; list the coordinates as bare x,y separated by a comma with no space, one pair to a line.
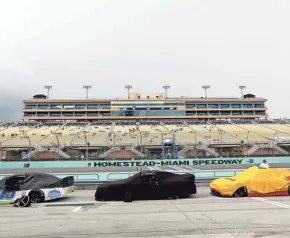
289,190
36,196
241,192
128,197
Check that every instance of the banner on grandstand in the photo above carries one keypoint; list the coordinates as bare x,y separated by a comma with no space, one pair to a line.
139,163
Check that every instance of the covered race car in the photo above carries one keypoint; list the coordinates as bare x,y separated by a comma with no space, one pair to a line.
253,182
39,187
148,185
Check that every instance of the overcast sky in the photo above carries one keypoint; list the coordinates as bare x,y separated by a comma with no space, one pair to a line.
146,43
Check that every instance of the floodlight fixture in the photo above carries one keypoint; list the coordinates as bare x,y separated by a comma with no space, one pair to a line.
87,88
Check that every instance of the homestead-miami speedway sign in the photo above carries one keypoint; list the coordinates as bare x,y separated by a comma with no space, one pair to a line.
139,163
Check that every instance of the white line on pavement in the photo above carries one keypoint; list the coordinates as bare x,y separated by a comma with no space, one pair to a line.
172,168
279,204
189,168
77,209
178,168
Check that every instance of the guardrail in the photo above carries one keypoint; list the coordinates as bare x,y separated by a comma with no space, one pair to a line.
111,176
100,177
144,162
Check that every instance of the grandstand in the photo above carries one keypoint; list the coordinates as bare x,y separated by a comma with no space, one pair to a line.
152,107
137,127
129,139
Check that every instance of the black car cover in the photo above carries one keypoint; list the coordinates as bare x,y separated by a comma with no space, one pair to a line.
148,185
27,181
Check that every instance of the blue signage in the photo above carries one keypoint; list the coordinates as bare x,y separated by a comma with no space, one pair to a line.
53,194
7,195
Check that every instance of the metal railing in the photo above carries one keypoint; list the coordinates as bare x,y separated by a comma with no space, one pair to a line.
100,177
111,176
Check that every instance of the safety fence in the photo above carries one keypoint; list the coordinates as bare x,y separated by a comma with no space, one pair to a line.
99,177
144,162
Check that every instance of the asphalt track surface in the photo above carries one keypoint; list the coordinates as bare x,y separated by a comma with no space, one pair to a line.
180,168
202,215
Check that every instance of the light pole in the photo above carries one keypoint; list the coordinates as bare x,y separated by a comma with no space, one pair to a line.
248,143
166,87
205,87
48,88
221,142
87,87
274,142
242,87
163,149
30,147
58,149
114,144
141,142
87,146
128,87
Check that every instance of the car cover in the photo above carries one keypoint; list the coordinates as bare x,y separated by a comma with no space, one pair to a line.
29,181
148,185
269,180
255,180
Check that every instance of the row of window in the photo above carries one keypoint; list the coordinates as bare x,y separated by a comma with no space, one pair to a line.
148,113
108,106
68,106
226,113
65,114
227,105
147,108
147,104
144,113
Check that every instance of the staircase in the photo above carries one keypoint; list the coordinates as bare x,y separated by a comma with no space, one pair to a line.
40,149
253,149
185,149
110,151
32,153
282,151
267,146
61,153
137,152
211,151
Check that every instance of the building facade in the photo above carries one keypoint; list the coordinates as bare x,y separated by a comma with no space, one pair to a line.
151,107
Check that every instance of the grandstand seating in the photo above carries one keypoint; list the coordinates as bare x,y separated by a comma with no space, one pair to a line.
95,135
278,130
64,134
211,134
12,135
245,132
134,134
21,135
153,134
125,135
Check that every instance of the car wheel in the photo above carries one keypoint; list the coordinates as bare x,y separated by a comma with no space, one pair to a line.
241,192
289,190
128,197
36,196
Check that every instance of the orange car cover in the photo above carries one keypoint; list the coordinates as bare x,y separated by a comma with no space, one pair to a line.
256,180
